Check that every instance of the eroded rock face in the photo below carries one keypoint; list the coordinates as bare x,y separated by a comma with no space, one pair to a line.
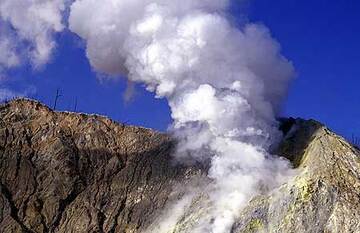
325,194
67,172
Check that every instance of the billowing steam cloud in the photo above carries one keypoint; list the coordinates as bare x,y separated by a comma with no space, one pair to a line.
224,85
27,29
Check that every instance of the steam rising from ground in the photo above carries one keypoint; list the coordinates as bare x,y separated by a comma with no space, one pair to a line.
224,85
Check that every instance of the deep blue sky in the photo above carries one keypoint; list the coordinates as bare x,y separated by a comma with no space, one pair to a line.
321,38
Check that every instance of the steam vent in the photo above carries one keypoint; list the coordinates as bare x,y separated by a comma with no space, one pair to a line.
69,172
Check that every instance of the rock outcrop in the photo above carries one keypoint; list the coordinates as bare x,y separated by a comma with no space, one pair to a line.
68,172
324,196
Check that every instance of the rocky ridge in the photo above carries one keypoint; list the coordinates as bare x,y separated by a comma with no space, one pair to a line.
69,172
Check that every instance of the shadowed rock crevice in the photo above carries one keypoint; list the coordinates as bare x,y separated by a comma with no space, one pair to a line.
298,134
13,209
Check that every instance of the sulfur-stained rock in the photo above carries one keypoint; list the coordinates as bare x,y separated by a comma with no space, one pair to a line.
325,194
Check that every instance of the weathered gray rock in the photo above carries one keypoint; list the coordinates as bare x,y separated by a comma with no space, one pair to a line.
67,172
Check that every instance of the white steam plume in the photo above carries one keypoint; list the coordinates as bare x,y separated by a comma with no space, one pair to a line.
224,85
8,57
29,26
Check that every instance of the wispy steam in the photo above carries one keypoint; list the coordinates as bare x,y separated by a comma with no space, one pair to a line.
27,31
224,85
7,94
30,26
8,57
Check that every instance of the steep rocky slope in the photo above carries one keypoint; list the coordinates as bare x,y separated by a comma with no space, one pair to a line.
324,196
67,172
64,172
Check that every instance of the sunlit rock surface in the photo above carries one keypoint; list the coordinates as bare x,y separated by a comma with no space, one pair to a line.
67,172
325,194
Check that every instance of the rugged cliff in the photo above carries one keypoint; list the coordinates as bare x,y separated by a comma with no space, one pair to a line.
67,172
324,196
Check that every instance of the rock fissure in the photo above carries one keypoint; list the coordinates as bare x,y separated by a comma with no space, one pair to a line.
13,209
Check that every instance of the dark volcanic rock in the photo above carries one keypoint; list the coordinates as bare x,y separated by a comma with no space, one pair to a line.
66,172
